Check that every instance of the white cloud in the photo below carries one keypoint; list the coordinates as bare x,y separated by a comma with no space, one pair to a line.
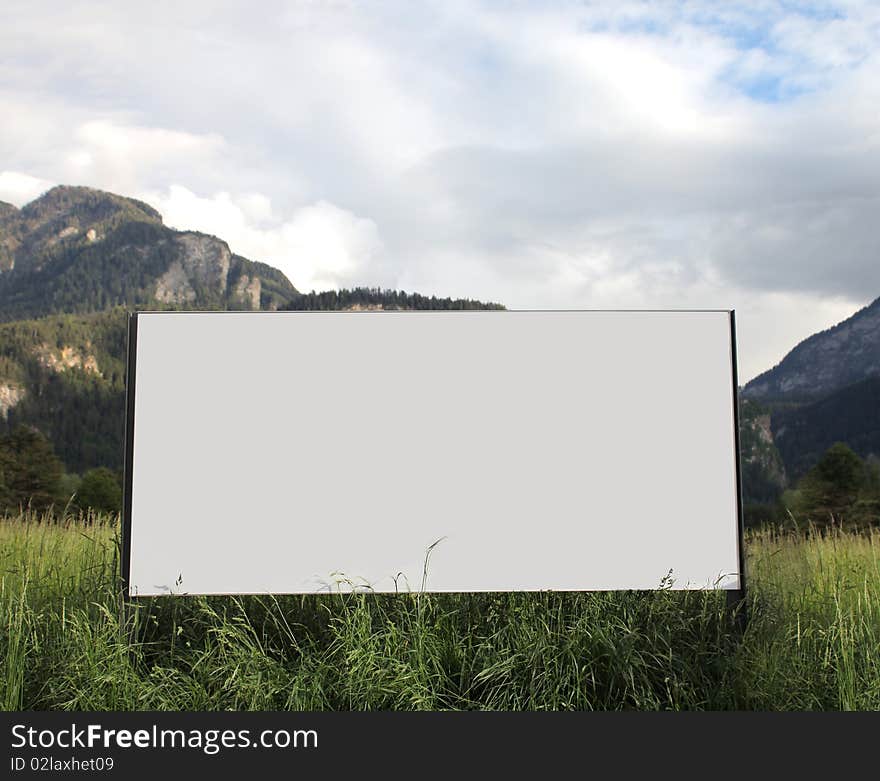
18,188
117,154
319,246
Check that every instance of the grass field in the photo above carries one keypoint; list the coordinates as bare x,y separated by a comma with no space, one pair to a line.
812,642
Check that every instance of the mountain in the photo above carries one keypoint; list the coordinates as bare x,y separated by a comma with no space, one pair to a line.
72,263
825,390
61,219
824,363
77,250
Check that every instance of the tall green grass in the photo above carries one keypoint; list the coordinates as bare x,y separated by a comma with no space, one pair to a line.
812,642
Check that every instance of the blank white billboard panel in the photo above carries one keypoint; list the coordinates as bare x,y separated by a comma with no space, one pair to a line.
295,452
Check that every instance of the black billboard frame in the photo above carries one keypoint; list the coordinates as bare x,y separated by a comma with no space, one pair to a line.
736,598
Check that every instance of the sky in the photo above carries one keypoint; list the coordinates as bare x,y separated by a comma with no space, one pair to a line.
538,154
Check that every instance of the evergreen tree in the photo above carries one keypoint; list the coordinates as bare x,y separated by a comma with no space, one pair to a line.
833,486
30,472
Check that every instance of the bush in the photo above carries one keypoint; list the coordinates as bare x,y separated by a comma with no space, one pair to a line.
100,490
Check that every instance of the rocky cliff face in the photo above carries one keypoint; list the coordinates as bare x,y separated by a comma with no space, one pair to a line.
66,357
764,474
851,415
826,362
247,291
10,395
202,264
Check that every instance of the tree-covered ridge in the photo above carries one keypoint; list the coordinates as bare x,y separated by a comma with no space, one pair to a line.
763,470
378,299
65,376
121,269
61,219
850,415
77,250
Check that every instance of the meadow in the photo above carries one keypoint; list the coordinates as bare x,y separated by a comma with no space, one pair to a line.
812,641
